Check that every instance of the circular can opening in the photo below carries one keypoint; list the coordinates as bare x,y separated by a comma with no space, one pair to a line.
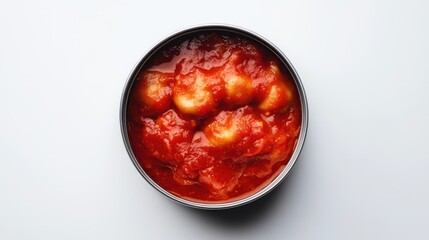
214,116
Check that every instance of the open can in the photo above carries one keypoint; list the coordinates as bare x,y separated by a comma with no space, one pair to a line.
235,31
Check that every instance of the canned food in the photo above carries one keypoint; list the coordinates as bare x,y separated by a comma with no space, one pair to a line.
214,116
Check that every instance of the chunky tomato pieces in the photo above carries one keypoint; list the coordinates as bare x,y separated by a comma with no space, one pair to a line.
213,117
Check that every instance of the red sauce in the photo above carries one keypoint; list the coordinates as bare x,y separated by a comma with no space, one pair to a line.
213,117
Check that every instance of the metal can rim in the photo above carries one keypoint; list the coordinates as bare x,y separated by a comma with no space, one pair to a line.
304,120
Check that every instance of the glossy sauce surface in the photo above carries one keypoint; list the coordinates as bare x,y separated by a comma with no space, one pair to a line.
213,117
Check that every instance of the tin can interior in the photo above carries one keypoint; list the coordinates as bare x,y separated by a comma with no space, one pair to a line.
222,29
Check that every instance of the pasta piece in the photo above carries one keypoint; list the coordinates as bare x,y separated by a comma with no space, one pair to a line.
277,95
223,130
278,98
238,89
242,129
192,94
155,92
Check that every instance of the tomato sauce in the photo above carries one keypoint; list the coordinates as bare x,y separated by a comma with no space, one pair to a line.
213,117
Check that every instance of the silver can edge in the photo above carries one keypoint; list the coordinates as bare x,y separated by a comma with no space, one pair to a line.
304,120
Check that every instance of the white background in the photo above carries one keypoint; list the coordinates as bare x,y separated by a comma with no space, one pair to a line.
363,172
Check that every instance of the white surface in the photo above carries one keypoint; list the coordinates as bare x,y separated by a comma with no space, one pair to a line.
363,173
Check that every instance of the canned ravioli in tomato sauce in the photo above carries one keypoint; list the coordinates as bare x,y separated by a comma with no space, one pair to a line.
212,116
